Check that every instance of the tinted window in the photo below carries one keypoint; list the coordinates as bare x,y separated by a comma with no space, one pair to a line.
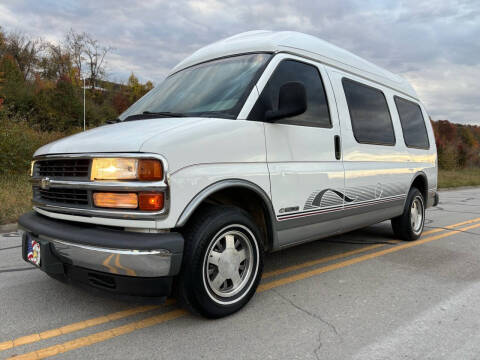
413,123
371,121
317,113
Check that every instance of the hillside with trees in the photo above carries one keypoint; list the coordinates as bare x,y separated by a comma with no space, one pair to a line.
41,83
458,145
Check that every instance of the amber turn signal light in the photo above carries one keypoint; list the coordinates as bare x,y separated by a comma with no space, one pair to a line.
116,200
149,170
150,201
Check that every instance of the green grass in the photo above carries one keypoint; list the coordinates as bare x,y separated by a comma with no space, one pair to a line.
16,192
458,177
15,197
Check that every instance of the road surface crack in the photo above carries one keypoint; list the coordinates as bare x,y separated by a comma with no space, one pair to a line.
11,247
16,269
314,316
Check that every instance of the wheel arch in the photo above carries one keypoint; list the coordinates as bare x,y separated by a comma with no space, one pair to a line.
243,194
420,181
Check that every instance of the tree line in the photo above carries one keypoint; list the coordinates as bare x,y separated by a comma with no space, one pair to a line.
458,145
41,83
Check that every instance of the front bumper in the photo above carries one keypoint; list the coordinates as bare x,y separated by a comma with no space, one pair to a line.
433,198
71,249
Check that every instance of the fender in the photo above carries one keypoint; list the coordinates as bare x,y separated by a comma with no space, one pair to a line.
223,184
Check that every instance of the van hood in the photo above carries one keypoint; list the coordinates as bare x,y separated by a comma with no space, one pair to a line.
126,136
181,141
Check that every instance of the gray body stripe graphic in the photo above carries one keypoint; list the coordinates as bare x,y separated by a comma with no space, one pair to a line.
320,210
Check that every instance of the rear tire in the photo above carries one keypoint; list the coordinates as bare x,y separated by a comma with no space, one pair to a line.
409,225
222,262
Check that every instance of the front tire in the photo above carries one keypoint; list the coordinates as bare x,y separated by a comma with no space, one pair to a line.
409,225
222,263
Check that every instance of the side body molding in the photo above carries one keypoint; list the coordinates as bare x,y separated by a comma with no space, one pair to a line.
231,183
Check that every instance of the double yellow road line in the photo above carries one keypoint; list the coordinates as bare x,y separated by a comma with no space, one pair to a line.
176,313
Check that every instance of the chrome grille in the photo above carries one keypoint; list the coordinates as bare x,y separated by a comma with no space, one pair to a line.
62,184
64,196
63,168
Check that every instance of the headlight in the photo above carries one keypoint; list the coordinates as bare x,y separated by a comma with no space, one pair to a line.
126,169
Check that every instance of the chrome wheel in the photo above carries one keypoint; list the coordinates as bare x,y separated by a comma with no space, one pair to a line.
417,214
230,264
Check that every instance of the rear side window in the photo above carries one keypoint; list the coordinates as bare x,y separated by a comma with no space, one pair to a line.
317,113
371,121
413,124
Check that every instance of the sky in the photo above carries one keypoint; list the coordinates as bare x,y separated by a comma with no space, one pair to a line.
434,44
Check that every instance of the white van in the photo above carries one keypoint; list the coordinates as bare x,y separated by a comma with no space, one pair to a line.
255,143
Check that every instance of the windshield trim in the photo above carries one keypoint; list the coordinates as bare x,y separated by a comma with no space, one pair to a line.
225,57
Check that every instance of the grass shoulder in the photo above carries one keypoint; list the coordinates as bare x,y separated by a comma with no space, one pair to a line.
458,177
15,197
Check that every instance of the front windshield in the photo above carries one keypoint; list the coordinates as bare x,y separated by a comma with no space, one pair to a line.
215,88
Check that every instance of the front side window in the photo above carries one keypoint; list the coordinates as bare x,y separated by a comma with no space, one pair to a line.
317,113
413,124
369,114
216,88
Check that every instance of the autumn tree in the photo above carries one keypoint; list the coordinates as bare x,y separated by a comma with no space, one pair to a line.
95,58
57,62
87,55
136,89
24,51
75,43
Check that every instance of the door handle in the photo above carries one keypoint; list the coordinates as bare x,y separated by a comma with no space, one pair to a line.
338,152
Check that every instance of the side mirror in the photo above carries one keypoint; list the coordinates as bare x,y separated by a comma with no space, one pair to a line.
292,101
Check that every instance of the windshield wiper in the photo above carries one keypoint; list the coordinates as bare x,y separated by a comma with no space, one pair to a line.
150,115
164,113
214,114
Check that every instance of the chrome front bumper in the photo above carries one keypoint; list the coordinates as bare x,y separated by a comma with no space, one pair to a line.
104,250
142,263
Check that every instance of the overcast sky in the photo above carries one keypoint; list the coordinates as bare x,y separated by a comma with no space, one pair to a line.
435,44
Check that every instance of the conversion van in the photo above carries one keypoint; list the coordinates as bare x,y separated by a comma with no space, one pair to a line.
253,144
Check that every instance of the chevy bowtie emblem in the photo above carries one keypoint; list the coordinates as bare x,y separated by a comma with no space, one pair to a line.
45,183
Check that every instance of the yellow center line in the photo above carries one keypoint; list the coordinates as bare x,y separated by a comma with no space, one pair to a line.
29,339
281,271
440,229
101,336
154,320
324,269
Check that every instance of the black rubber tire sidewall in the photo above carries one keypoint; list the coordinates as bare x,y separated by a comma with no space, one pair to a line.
401,225
198,235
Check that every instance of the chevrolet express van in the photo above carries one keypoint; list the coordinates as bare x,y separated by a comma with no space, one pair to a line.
255,143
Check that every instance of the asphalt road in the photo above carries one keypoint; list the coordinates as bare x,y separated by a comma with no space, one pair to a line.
361,295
